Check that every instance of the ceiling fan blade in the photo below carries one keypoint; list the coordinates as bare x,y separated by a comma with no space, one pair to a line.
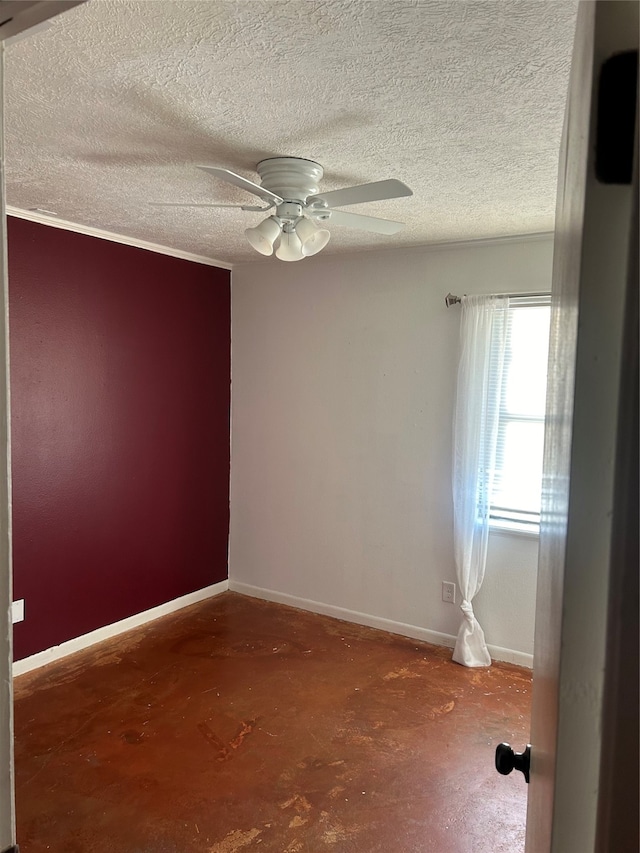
187,204
365,223
243,183
376,191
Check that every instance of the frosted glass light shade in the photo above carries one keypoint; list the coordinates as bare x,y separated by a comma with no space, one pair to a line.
290,248
263,236
313,239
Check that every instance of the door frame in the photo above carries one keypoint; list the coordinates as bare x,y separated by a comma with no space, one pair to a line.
586,494
16,16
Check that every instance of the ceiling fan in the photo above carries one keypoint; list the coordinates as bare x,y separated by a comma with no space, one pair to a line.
290,185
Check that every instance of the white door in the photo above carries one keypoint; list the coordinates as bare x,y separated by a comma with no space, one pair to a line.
593,245
15,17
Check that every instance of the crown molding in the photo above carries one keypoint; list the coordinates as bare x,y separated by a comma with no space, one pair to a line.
531,237
442,246
89,231
472,243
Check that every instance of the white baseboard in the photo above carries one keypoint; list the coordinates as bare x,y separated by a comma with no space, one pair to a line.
413,631
86,640
511,656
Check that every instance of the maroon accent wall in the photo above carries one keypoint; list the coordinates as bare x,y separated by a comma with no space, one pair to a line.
120,391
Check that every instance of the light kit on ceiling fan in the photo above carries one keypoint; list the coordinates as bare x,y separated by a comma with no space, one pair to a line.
290,185
314,239
290,248
296,239
264,236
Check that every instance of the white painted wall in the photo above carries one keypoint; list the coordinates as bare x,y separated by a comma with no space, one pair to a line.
343,379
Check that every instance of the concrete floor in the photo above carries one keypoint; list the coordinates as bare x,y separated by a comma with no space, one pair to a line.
241,725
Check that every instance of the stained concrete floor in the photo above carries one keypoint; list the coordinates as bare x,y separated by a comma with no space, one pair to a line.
241,725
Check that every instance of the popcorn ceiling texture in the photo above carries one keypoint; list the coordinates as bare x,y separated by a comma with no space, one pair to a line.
117,102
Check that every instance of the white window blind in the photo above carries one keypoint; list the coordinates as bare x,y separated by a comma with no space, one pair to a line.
520,366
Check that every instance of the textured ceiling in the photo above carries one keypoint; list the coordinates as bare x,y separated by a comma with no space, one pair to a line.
115,104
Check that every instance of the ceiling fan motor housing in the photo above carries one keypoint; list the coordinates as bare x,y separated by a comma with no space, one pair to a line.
292,178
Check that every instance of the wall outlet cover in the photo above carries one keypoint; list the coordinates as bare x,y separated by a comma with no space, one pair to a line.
448,592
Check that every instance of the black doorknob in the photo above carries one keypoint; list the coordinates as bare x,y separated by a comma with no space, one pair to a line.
508,760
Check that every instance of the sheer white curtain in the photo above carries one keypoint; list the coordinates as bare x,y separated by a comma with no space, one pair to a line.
475,427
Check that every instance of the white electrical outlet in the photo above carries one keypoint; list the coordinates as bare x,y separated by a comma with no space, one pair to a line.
448,592
17,611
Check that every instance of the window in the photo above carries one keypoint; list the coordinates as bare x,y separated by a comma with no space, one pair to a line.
522,370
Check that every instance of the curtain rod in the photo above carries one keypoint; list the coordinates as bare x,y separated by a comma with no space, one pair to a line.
451,299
